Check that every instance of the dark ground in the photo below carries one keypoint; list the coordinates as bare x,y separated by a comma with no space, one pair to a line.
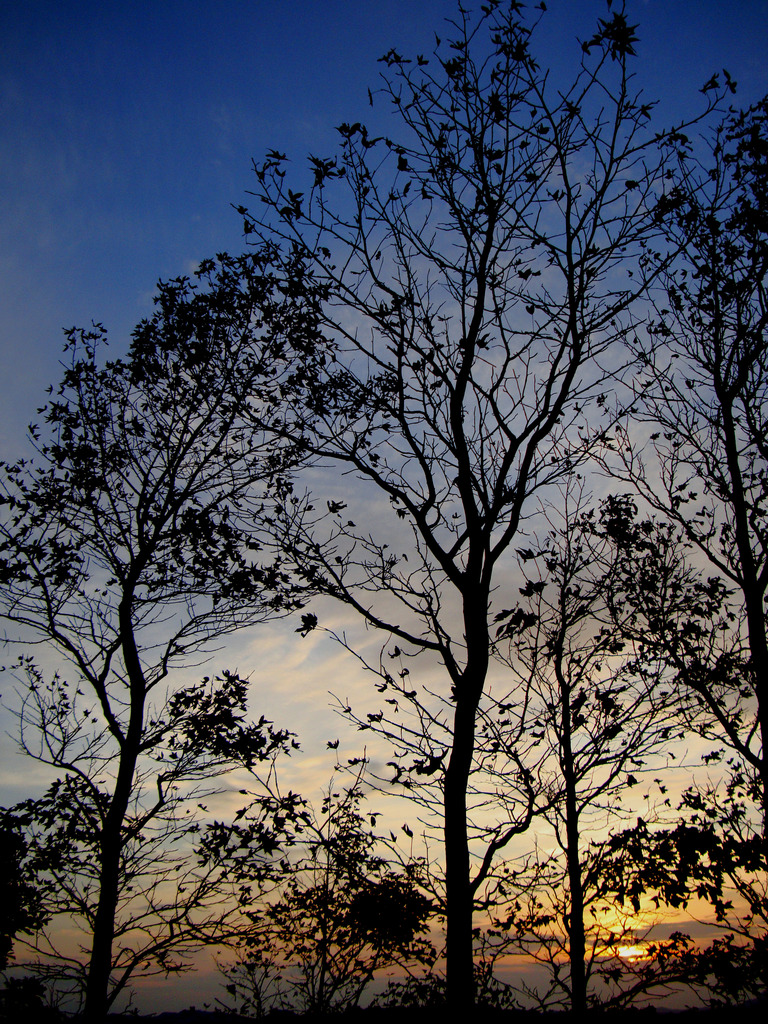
751,1014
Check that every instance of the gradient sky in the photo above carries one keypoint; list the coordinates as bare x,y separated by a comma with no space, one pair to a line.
127,130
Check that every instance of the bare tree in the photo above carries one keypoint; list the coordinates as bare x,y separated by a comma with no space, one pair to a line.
129,545
479,273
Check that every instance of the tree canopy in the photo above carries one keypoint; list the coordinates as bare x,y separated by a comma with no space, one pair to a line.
130,544
481,268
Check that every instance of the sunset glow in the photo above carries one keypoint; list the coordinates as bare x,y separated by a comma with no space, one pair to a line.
638,951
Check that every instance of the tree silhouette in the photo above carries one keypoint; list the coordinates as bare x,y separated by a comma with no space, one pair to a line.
343,913
681,625
701,389
479,271
21,893
589,714
130,544
711,854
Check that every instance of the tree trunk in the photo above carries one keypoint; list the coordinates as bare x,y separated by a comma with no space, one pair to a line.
574,922
100,964
97,995
97,1000
460,988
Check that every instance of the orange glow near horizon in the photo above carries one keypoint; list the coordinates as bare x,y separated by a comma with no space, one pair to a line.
637,951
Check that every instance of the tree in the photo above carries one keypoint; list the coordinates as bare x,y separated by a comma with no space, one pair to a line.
172,895
596,715
479,272
711,855
129,545
702,390
343,913
678,622
22,900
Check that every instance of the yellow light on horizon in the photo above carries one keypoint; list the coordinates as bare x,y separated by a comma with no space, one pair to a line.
634,952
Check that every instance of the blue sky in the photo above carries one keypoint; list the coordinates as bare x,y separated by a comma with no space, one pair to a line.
127,130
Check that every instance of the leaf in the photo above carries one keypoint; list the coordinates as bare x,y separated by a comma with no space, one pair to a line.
308,623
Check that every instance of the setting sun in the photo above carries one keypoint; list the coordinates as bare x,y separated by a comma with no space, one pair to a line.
635,952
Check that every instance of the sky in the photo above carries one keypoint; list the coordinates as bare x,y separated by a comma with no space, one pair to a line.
127,131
